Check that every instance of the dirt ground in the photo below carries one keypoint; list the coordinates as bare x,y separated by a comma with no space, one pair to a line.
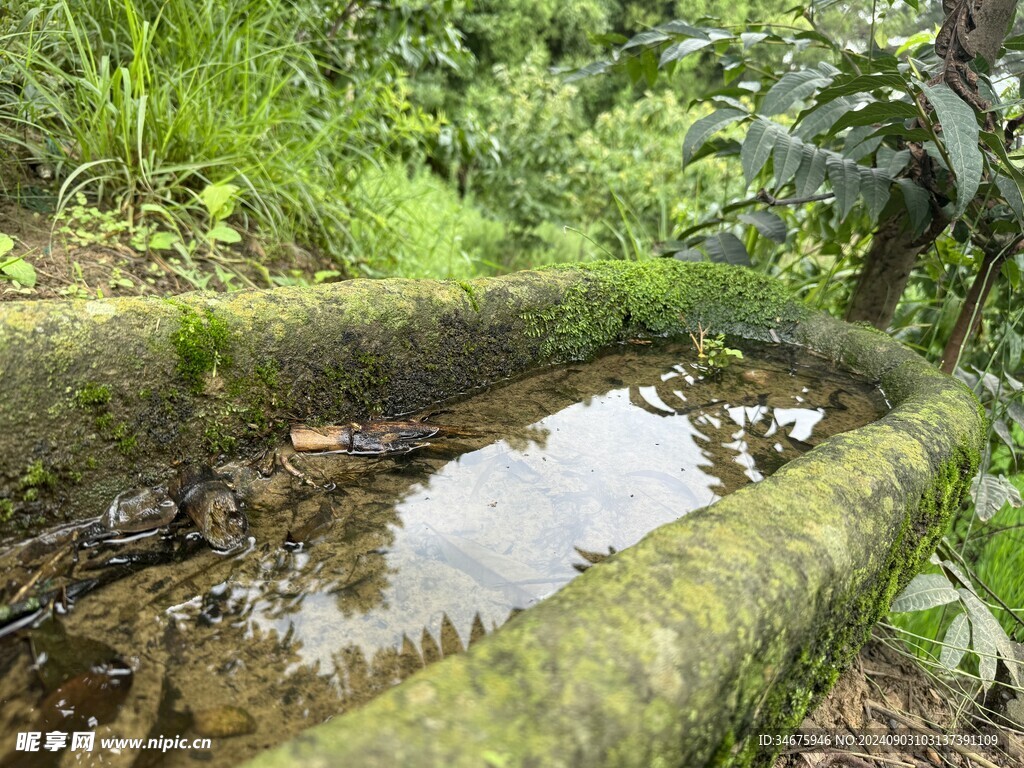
887,695
105,265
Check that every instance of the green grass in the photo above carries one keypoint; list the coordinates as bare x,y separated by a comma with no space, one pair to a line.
144,104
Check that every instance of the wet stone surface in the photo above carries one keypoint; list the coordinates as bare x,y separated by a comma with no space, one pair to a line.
356,571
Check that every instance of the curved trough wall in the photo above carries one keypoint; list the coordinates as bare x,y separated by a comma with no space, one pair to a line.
102,395
679,651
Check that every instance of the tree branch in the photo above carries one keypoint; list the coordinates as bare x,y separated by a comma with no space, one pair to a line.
767,199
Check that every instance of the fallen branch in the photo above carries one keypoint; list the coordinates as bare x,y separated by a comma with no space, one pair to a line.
371,438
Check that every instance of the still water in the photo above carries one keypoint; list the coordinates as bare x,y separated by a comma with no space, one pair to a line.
360,570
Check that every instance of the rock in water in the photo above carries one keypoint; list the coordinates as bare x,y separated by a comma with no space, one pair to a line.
212,506
140,509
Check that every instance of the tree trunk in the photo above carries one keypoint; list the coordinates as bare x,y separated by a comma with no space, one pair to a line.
969,321
894,250
887,268
993,19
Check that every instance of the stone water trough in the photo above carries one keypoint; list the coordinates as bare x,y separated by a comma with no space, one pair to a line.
680,651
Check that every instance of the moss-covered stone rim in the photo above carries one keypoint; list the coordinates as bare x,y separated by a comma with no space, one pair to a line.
685,647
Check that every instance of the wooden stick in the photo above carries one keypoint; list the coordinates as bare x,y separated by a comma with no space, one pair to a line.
322,438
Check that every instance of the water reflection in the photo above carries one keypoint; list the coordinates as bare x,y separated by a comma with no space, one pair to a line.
374,567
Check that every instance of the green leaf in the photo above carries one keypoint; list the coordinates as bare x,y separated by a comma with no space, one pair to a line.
20,270
650,37
1014,409
1015,43
1011,191
752,38
218,199
891,161
224,234
325,274
791,88
916,41
817,120
649,63
726,247
757,146
811,173
634,69
926,590
718,147
956,642
844,175
874,188
991,492
918,204
860,143
609,38
707,126
682,49
990,639
768,224
680,28
850,85
6,244
786,158
960,135
1006,165
163,241
594,68
875,112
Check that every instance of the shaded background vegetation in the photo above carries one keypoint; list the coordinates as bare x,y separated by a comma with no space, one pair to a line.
281,142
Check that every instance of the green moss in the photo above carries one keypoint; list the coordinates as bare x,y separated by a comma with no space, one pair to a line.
470,291
38,476
268,373
616,300
362,382
217,441
6,510
201,343
127,443
92,396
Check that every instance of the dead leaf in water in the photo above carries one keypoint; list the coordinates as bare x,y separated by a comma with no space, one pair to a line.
86,700
60,656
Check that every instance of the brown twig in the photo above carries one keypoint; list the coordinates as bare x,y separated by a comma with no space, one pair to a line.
922,728
764,197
